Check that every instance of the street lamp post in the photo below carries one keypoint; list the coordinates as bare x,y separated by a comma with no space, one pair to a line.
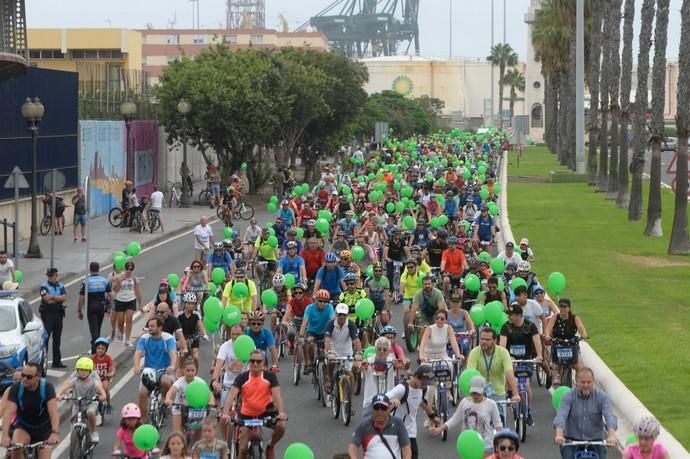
183,108
32,111
128,110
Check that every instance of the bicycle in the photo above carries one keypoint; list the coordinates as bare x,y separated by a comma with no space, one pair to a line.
116,217
46,221
318,378
80,444
341,393
137,222
191,420
564,357
264,281
154,220
29,450
443,374
297,363
156,406
584,450
414,336
397,269
279,332
255,448
174,196
523,373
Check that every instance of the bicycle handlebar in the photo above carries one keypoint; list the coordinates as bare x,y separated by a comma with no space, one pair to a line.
18,446
587,443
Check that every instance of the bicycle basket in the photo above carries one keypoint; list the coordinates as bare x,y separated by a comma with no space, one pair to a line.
565,355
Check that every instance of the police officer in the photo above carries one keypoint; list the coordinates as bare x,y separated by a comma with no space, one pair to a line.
98,303
53,296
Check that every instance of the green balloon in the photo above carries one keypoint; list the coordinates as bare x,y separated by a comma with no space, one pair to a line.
243,166
465,378
357,252
472,283
119,260
240,290
289,280
485,256
145,437
631,440
218,275
213,309
210,325
133,248
232,315
271,207
364,309
498,265
501,285
558,396
18,276
467,174
173,280
493,311
484,194
300,233
407,191
227,232
443,219
497,188
322,225
409,222
369,352
243,346
325,215
556,282
493,209
516,282
390,207
477,314
298,451
399,206
370,271
269,298
435,222
274,199
197,394
272,242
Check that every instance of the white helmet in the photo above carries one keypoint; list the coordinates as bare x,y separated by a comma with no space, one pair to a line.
524,266
278,280
342,308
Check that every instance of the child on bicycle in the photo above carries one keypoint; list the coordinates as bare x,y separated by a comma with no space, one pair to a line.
124,439
210,447
105,367
175,397
86,385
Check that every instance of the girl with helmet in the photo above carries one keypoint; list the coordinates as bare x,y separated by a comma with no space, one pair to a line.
124,439
506,445
646,429
192,325
283,294
105,367
85,384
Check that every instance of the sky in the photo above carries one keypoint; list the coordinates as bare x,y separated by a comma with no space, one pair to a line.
471,29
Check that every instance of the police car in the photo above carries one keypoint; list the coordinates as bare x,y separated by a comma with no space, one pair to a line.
22,336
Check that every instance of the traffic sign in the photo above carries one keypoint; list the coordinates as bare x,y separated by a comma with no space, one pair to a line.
21,180
54,177
671,169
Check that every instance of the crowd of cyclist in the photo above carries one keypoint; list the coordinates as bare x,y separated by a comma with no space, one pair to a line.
344,241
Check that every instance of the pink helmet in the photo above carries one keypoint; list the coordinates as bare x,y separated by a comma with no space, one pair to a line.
131,410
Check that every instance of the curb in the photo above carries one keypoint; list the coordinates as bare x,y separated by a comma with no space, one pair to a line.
627,407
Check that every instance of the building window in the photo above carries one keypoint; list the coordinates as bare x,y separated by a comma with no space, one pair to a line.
256,39
35,54
230,39
199,39
173,39
536,85
536,116
90,54
172,59
114,80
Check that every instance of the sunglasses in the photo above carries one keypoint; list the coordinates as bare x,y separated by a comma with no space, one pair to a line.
196,267
256,361
378,271
256,323
28,377
349,283
296,292
441,318
322,301
380,408
506,448
341,315
129,269
381,349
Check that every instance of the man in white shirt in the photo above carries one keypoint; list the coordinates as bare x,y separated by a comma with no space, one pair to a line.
157,204
341,336
6,268
203,238
509,255
227,363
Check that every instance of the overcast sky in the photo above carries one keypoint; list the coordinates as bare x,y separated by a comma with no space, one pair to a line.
471,20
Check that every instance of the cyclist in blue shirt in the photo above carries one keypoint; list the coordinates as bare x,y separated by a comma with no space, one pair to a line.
330,277
279,228
349,226
293,263
451,206
262,336
159,351
219,258
484,226
420,235
286,214
314,322
290,236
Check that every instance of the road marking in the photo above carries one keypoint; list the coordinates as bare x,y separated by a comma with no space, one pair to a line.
55,373
155,246
64,444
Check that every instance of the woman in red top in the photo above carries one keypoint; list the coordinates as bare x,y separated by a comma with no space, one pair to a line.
295,311
313,256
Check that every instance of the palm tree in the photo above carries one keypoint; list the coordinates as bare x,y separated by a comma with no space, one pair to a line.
680,241
503,56
516,80
657,127
602,179
641,139
594,67
626,80
614,87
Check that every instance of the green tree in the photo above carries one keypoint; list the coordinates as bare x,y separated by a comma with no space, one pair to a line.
614,90
594,73
405,116
433,107
504,57
516,81
623,197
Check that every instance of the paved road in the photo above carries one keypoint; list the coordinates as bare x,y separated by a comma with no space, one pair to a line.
309,422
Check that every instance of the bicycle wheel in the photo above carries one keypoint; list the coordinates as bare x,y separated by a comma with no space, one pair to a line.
154,222
281,340
315,381
246,211
412,339
204,196
297,365
46,224
358,382
256,451
541,375
443,411
115,216
567,376
516,418
220,212
75,441
322,382
345,401
335,399
523,418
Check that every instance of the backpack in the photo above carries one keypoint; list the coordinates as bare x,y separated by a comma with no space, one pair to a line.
42,390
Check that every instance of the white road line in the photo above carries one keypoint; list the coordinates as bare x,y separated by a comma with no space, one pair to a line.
107,267
64,444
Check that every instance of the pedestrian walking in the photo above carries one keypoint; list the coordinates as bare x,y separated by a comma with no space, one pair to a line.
97,303
203,238
6,268
157,204
79,203
52,311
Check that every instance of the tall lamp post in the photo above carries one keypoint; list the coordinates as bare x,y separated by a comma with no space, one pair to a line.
184,107
32,111
128,110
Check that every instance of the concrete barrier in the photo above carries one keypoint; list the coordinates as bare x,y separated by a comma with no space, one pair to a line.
627,406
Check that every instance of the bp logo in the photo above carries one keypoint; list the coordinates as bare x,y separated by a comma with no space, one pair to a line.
403,85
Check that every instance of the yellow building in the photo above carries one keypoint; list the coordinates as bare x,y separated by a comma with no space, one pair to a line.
112,56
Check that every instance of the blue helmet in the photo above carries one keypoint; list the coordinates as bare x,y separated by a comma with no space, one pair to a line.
509,434
349,277
331,257
389,330
103,341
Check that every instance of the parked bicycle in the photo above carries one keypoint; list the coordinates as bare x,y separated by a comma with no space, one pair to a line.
174,195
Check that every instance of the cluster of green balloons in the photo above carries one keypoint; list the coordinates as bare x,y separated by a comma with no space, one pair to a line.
120,257
492,312
213,313
272,204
